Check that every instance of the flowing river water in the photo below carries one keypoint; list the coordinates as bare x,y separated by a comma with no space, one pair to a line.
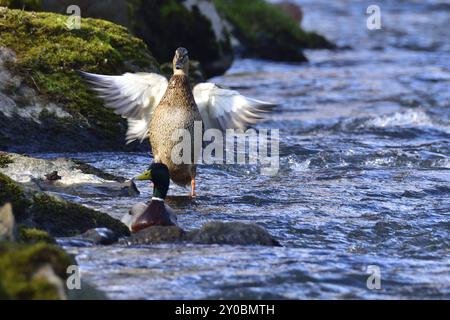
364,177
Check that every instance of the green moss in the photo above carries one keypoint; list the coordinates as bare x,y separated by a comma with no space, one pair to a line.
57,217
32,235
19,263
49,56
268,32
70,219
5,159
167,24
13,193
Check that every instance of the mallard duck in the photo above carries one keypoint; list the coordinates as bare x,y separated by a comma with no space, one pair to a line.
157,213
156,108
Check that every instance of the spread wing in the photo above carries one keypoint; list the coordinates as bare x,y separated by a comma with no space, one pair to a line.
131,95
228,109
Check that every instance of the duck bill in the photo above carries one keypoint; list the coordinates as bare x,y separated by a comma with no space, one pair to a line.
147,175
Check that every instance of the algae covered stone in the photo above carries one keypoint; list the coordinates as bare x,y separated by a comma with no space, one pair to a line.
165,25
231,233
19,264
33,235
55,216
265,31
46,96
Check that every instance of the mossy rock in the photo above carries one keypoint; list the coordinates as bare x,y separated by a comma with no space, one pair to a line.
48,56
267,32
20,262
33,235
12,192
69,219
167,24
55,216
164,25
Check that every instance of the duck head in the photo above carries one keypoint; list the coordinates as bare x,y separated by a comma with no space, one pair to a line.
158,173
181,61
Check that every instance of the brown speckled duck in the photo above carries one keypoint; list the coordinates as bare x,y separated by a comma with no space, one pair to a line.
156,108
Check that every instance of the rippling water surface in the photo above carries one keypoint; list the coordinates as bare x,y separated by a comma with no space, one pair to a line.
364,174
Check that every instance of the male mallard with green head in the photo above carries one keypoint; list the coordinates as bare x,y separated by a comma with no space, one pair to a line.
157,212
156,108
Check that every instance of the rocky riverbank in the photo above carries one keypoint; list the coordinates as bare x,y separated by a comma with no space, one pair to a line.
33,265
46,105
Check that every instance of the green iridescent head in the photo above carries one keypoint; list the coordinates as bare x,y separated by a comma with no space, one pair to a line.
158,173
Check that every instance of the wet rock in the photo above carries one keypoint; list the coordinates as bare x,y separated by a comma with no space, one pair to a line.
138,209
5,159
232,233
32,271
7,223
263,30
155,234
103,236
53,176
58,217
96,236
67,176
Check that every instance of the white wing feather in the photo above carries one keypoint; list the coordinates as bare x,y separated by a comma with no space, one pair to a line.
228,109
131,95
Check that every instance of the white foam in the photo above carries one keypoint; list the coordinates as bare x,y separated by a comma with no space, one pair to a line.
409,117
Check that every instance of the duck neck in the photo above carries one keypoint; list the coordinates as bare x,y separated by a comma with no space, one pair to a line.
160,192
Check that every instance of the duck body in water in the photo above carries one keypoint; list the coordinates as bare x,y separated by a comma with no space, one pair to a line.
157,213
155,108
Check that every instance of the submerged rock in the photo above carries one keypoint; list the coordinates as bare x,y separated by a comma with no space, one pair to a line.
96,236
232,233
102,236
156,234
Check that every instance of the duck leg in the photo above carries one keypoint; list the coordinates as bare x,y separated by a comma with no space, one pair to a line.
193,194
